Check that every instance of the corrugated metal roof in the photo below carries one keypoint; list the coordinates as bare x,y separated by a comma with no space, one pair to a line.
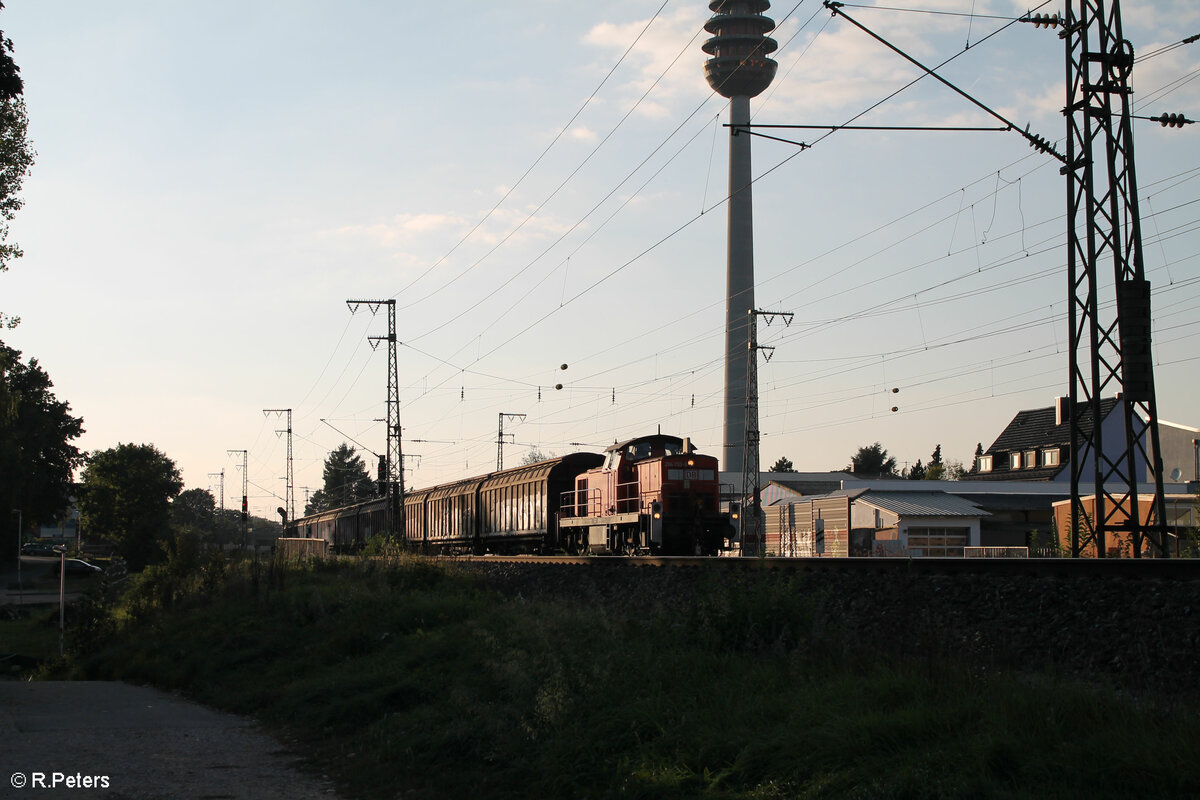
922,504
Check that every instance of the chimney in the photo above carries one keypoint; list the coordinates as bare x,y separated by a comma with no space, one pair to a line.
1060,409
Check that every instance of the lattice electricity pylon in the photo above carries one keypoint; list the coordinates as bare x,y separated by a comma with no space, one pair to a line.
245,492
751,518
394,463
1110,355
290,496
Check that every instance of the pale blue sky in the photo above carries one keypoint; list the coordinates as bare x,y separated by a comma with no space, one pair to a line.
215,179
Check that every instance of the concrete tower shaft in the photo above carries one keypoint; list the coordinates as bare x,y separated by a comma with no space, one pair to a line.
739,69
739,66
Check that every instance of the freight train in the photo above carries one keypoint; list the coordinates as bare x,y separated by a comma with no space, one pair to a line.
649,495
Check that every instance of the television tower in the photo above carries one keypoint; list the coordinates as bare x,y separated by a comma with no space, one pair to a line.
739,69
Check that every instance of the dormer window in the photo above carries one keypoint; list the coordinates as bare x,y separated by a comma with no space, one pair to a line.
1014,460
1030,459
985,463
1050,458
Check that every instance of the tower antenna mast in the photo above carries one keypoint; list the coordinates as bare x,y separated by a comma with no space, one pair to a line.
739,69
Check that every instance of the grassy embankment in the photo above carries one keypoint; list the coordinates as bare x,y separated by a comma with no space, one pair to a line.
415,677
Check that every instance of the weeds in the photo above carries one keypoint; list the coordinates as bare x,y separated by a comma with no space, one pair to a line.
402,673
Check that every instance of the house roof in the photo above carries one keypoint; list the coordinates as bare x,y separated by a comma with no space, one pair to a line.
922,504
821,483
1036,428
929,503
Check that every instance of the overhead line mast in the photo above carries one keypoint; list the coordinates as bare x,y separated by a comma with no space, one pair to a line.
245,492
290,496
394,463
500,438
1102,202
1113,354
751,518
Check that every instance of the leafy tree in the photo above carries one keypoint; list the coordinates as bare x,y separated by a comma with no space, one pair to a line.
535,455
126,497
37,459
196,509
16,154
918,472
783,464
347,481
872,461
955,471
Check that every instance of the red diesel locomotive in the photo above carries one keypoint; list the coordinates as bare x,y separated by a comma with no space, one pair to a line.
653,494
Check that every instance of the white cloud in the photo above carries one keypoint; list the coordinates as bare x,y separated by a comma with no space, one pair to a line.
403,228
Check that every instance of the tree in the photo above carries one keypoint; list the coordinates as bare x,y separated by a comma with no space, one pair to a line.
16,154
126,498
937,468
872,461
782,464
347,481
975,462
918,472
195,508
535,455
37,459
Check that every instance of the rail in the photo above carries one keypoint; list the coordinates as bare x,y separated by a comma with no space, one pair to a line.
1103,568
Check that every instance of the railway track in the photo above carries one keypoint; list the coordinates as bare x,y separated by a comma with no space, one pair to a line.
1107,568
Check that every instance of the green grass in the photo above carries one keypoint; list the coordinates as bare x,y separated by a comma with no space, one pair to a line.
415,677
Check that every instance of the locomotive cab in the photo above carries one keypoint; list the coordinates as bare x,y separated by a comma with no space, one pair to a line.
653,494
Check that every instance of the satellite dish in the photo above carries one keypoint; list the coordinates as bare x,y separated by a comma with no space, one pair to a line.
1176,474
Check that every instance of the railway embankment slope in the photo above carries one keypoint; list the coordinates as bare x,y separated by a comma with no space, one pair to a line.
412,678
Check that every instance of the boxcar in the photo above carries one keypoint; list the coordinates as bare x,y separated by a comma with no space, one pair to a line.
345,529
519,506
452,514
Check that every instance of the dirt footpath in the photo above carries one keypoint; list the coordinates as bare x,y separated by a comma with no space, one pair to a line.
111,741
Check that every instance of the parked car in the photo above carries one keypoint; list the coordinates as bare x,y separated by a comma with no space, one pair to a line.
38,549
77,566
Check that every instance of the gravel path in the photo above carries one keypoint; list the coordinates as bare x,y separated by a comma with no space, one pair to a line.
110,741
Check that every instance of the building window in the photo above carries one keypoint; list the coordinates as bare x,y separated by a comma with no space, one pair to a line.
985,463
1050,458
1030,459
1014,460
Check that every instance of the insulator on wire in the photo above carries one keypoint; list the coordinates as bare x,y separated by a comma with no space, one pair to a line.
1045,20
1039,143
1172,120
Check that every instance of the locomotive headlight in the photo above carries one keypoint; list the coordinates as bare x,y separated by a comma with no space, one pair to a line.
657,515
691,463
